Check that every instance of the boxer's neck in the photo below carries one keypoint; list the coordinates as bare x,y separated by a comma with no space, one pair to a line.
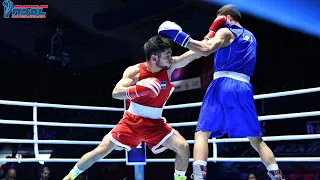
152,67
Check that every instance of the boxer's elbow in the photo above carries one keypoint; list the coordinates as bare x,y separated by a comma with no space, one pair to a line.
211,46
119,94
205,51
116,95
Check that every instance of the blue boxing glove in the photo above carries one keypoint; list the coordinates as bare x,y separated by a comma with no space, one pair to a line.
174,32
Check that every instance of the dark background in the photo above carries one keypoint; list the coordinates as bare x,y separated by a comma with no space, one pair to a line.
102,39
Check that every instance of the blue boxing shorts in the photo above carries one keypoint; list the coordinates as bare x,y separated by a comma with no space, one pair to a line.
228,107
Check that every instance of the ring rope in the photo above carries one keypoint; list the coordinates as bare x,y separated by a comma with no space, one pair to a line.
227,140
193,123
35,123
261,96
61,106
220,159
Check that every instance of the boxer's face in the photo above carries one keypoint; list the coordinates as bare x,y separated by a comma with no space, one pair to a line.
165,60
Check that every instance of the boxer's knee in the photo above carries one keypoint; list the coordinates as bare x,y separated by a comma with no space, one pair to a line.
184,149
178,144
202,135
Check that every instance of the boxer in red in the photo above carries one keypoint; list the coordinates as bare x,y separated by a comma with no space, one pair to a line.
148,87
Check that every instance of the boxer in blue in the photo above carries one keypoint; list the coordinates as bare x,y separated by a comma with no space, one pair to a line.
228,105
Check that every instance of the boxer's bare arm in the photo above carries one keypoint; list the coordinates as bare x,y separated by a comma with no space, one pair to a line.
129,78
184,59
224,37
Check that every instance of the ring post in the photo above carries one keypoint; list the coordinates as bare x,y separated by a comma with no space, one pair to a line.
137,158
215,149
35,132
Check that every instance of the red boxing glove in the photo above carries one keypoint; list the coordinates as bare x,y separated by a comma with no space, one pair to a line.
219,21
146,87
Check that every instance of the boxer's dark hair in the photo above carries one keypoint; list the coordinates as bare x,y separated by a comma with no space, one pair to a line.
156,45
230,10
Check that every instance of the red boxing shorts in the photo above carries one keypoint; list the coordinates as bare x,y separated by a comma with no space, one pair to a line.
132,129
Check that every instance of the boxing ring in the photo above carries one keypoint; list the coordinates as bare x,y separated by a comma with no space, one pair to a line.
139,174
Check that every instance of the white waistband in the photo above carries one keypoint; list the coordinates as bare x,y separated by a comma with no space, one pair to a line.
145,111
233,75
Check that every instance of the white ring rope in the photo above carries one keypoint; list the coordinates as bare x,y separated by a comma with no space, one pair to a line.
193,123
61,106
261,96
35,123
271,138
220,159
3,121
224,159
56,160
261,118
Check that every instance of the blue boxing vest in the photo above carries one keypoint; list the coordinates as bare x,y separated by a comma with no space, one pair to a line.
240,55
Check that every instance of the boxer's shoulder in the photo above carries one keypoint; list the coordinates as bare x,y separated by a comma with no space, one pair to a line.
133,72
136,66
